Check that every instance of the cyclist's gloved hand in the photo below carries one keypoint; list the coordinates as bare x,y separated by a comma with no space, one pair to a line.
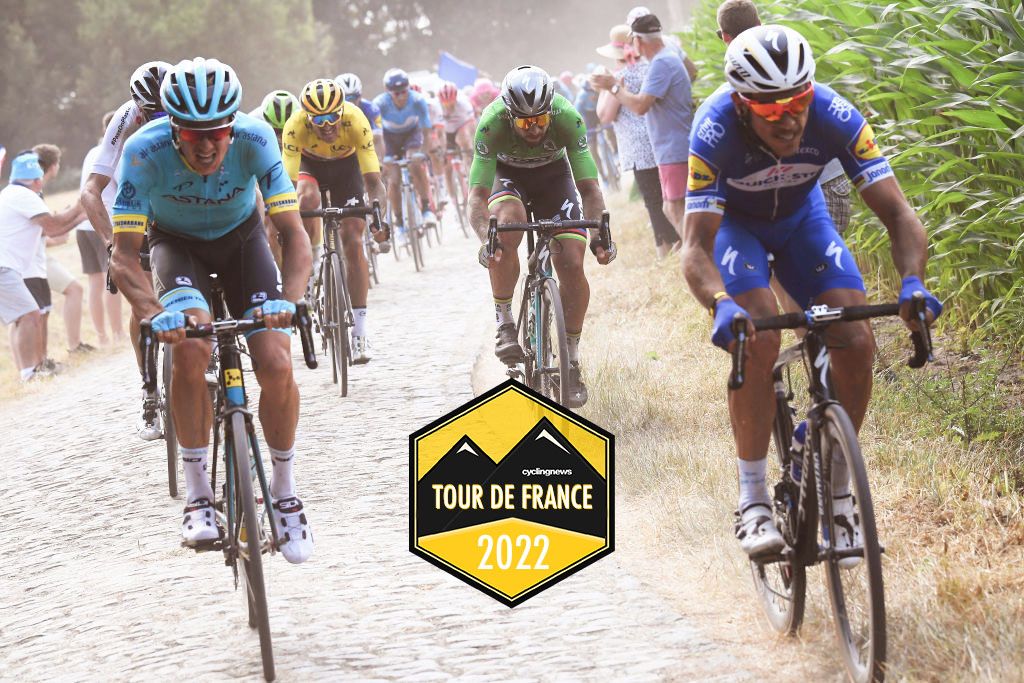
168,321
610,251
911,285
278,312
721,331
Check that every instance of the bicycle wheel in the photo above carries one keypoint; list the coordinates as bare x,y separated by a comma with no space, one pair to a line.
782,586
336,293
459,197
415,224
552,344
250,542
857,593
174,464
371,257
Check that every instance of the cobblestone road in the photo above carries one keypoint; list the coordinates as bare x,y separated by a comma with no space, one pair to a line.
94,584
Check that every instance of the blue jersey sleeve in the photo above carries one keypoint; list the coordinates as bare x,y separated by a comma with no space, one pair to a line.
372,112
854,142
268,169
705,186
135,180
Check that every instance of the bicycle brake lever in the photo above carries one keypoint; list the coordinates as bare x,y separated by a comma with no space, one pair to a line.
147,344
922,338
739,352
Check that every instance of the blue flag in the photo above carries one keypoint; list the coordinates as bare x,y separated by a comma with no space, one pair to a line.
450,68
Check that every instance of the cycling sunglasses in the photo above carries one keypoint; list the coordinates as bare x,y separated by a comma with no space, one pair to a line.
526,122
194,135
775,110
322,120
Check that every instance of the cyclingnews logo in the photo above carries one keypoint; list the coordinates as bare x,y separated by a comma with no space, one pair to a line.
511,493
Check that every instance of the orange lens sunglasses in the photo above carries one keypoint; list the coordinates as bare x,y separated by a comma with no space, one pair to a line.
773,111
527,121
194,135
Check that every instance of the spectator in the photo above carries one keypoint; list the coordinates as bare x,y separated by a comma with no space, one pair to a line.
671,41
24,219
635,151
104,307
664,101
57,277
564,86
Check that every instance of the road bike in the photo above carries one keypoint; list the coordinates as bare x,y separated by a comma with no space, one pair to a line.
459,190
609,158
332,303
241,512
412,216
370,251
540,323
802,496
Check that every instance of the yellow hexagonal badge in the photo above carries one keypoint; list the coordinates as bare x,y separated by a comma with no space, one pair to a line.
511,493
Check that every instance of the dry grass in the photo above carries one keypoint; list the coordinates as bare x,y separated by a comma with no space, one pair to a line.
954,566
67,254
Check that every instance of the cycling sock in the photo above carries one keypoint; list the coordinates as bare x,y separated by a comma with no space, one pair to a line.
840,475
572,340
503,311
282,484
197,483
359,312
752,478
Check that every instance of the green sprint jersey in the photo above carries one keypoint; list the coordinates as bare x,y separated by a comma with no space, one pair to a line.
496,141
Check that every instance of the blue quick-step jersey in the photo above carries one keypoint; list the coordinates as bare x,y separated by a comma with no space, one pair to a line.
729,172
155,183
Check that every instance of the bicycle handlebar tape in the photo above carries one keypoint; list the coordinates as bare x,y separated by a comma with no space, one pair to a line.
305,325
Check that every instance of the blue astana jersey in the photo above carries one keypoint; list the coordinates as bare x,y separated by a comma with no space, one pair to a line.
731,172
156,184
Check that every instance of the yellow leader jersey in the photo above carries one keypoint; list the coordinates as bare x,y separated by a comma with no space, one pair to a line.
354,137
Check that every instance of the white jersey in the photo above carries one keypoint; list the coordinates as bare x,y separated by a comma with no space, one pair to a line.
434,107
460,114
109,192
127,119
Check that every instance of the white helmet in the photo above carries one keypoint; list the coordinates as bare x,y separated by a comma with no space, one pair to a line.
350,85
768,59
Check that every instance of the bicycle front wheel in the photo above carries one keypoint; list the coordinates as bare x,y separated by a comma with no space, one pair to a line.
250,542
552,344
174,464
415,225
856,592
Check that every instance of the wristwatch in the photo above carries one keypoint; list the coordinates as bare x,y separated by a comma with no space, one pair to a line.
615,89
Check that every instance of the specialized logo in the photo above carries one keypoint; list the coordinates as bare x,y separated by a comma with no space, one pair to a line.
511,493
835,251
701,175
864,147
729,259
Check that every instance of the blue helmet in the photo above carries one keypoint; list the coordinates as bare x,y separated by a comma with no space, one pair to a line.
200,91
396,79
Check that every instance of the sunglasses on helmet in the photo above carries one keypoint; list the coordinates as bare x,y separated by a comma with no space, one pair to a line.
321,120
194,135
776,109
525,122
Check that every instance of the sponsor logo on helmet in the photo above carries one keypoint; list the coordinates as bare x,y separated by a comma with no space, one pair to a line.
701,174
840,108
865,148
710,131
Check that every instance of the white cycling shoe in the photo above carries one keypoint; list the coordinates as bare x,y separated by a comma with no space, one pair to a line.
846,523
756,531
429,219
295,538
148,426
200,523
360,350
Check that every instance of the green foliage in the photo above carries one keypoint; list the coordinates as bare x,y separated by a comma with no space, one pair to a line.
943,86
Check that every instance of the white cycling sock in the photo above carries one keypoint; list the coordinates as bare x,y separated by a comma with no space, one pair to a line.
840,475
752,482
573,342
503,311
197,483
359,330
282,484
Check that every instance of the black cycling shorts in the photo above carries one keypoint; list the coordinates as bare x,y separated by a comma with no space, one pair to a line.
548,191
341,177
241,259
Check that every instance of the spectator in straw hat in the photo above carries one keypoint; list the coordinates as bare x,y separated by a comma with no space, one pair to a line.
635,151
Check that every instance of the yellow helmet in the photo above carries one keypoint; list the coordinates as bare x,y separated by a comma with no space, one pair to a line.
322,96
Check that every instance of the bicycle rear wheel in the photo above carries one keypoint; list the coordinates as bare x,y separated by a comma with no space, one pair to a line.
174,464
250,542
857,593
782,586
552,346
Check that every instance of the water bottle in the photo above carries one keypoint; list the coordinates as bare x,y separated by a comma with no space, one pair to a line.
796,451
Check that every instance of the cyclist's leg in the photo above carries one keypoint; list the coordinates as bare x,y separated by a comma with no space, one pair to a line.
308,191
347,190
395,148
451,143
436,150
420,179
507,206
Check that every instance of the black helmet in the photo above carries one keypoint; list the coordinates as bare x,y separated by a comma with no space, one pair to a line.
527,91
145,85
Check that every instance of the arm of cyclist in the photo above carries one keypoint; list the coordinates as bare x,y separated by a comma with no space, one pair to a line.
909,244
593,207
704,279
95,210
572,134
297,264
377,192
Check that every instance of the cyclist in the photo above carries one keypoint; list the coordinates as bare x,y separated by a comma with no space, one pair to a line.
484,92
190,184
328,146
586,105
276,108
435,145
459,125
406,127
353,89
531,145
755,157
98,195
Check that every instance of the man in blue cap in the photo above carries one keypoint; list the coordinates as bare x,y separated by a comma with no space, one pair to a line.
24,220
